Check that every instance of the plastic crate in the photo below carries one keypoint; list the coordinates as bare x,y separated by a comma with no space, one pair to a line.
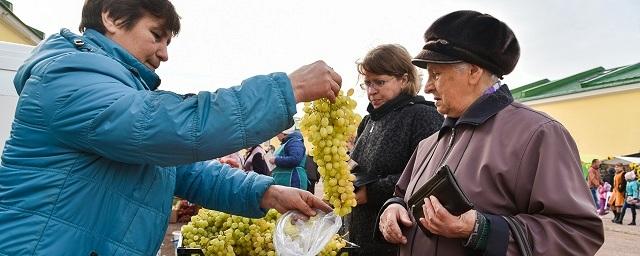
184,251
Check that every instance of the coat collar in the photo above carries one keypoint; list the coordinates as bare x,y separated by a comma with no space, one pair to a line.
481,110
113,50
398,102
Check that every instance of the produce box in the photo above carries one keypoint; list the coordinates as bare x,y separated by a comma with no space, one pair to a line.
186,251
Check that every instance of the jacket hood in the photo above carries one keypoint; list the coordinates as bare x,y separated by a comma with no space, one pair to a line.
66,42
47,49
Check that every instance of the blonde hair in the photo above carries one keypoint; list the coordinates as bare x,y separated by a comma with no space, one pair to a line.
393,60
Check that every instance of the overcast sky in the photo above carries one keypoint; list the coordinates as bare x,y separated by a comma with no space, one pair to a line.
223,42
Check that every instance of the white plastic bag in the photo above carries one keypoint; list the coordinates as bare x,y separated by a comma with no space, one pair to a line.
295,236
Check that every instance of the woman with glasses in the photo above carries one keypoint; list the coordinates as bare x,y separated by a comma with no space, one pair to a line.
398,120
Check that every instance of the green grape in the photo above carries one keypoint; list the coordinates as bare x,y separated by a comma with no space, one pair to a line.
219,233
327,126
336,123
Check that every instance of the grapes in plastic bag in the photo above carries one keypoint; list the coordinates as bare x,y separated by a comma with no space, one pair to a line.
297,235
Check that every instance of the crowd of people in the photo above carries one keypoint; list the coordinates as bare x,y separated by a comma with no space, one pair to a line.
96,152
614,189
290,164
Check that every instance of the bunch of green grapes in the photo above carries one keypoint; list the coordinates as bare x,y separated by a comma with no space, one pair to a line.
328,126
334,246
218,233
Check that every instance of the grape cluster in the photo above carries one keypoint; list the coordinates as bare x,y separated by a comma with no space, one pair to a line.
328,126
218,233
334,246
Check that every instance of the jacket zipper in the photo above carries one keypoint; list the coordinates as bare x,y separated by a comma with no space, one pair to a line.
444,157
449,147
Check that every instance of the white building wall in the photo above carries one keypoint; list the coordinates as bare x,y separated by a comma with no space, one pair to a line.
11,57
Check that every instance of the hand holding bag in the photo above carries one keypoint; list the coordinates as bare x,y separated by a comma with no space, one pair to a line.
444,186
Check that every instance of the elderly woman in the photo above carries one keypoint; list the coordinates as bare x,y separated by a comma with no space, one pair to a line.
96,153
505,156
398,120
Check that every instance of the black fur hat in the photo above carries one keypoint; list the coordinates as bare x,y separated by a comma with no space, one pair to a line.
471,37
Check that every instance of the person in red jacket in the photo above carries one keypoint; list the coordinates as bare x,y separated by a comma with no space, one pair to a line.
594,180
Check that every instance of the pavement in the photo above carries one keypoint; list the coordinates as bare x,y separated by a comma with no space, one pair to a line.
620,240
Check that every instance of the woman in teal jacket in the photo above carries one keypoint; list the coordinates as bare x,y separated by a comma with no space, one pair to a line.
290,160
96,152
631,197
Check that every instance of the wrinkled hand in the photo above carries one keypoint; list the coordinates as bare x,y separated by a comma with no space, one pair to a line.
361,195
284,199
272,160
390,221
315,81
440,222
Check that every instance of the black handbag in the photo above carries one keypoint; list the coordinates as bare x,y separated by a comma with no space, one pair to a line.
444,186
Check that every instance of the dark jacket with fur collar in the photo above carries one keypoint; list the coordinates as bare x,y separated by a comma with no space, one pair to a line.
386,139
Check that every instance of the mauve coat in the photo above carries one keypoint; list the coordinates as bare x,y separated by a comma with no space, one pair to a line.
509,160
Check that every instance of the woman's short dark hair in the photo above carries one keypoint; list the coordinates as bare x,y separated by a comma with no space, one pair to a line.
392,60
128,13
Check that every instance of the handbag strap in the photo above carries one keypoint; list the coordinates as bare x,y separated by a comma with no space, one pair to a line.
519,235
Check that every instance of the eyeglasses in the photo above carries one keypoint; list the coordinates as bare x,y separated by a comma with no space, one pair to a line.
376,84
379,83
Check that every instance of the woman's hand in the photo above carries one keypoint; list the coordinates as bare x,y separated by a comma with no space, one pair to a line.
440,222
284,199
390,221
315,81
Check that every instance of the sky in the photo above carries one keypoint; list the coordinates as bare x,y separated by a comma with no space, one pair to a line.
222,43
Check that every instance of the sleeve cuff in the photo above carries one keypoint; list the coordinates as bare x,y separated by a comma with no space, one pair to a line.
377,236
498,239
286,88
262,183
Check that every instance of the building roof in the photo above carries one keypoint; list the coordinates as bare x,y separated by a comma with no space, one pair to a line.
593,79
6,9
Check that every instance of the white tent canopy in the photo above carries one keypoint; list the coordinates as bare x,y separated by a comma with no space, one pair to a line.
622,159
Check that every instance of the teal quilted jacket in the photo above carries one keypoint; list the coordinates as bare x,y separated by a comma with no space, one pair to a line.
96,153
